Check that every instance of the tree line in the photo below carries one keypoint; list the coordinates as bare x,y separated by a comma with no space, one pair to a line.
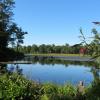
43,48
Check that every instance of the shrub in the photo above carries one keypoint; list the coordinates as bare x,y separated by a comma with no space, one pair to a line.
14,86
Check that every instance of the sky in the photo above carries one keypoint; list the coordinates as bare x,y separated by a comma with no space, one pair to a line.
56,21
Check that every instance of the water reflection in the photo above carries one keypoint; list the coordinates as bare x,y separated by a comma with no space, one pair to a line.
15,68
58,71
52,61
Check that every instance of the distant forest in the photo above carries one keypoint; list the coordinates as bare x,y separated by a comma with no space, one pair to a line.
43,48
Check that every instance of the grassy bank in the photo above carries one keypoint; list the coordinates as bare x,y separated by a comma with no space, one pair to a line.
16,87
64,55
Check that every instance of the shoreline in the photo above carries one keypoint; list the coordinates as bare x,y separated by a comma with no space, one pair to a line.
67,57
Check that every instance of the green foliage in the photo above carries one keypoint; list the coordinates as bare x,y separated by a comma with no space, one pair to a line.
5,19
93,92
10,33
61,49
49,88
10,55
57,92
67,90
44,97
98,60
16,87
94,45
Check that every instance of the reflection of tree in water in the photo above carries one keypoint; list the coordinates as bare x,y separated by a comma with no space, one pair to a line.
18,69
53,61
15,68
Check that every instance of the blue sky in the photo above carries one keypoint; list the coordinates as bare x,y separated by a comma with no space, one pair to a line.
56,21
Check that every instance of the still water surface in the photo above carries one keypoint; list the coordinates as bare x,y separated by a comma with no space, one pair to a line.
56,71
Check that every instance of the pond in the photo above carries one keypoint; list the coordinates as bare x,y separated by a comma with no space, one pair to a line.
44,69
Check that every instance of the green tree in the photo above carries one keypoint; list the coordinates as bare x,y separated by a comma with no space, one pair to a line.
5,21
42,48
10,33
16,35
94,45
34,49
